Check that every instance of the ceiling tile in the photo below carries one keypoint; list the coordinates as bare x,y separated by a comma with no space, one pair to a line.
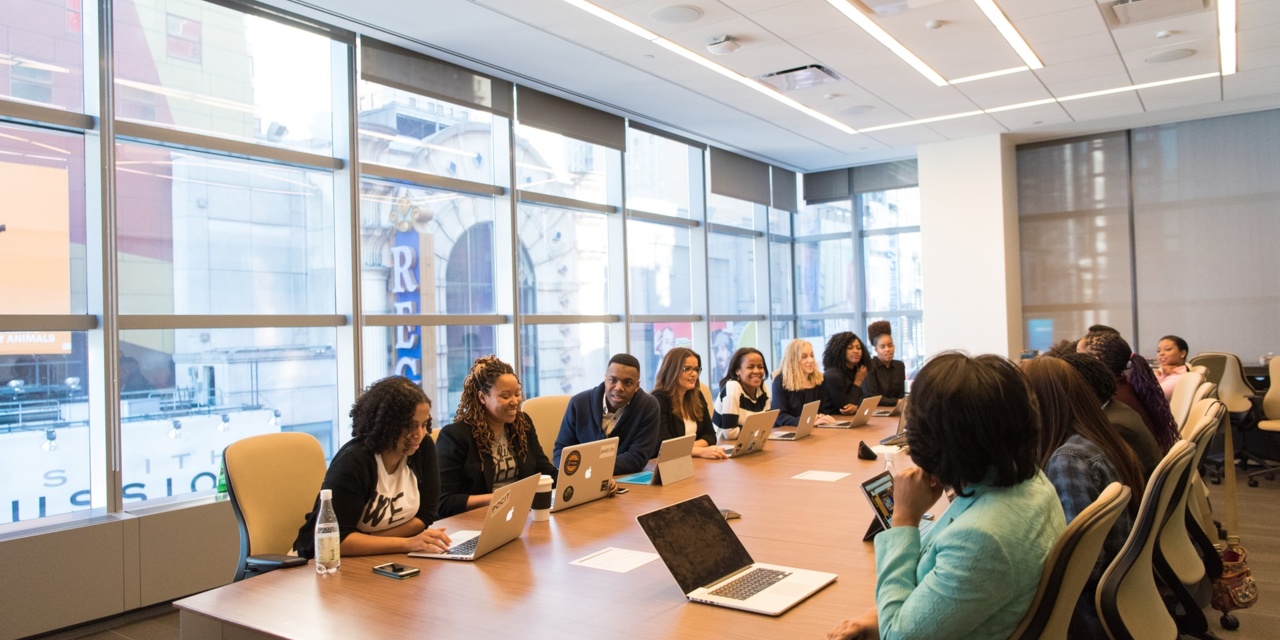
1205,60
967,127
1094,74
1259,13
1181,94
638,12
1257,82
1001,91
1253,41
1085,47
1062,25
1019,9
1031,117
907,136
1108,106
1181,29
793,20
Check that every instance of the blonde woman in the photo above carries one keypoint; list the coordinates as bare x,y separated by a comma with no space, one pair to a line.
798,382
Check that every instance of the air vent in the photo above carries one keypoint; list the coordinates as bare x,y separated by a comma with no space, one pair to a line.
799,78
1134,11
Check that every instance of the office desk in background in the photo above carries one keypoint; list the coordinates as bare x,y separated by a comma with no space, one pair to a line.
528,588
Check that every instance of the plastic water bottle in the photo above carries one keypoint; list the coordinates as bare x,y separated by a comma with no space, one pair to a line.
328,543
890,464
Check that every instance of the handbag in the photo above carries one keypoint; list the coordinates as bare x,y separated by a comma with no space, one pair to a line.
1235,589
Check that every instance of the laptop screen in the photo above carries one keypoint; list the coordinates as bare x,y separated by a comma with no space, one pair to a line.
695,542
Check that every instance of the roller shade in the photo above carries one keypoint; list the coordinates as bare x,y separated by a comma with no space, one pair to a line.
826,186
666,134
736,176
545,111
393,66
784,189
887,175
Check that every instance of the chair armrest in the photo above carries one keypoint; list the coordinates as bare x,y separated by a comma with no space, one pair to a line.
271,561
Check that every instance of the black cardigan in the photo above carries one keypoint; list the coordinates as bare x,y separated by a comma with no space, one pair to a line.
790,404
461,475
839,390
671,426
890,383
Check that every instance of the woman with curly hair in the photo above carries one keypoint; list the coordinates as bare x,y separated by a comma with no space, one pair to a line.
385,480
888,377
797,383
681,407
491,442
845,363
1136,385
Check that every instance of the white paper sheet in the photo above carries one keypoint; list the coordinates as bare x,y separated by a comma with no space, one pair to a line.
618,560
822,476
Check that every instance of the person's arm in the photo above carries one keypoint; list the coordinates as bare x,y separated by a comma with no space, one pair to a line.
1074,481
728,405
835,393
866,627
780,400
452,450
643,439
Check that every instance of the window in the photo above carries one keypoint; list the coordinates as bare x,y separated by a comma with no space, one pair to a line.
658,258
731,270
556,165
183,41
651,341
892,267
42,54
565,358
663,175
567,260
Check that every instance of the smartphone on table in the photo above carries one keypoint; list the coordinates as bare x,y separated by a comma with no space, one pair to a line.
396,570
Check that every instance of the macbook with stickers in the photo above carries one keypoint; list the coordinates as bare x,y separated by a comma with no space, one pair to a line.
503,522
585,471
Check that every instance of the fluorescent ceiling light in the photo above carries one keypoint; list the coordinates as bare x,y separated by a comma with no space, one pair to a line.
1227,35
863,20
953,116
990,74
1011,35
1136,87
635,29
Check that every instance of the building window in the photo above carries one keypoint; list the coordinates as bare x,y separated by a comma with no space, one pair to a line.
182,39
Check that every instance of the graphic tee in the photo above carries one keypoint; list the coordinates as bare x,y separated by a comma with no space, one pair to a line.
394,502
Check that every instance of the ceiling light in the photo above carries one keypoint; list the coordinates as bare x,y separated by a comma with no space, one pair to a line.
875,31
1136,87
798,78
723,45
1227,35
675,14
1011,35
1169,55
991,74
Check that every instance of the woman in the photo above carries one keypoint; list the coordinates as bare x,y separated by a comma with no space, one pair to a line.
681,405
888,377
1125,421
385,481
1136,385
742,391
797,383
972,427
491,442
845,364
1081,454
1171,355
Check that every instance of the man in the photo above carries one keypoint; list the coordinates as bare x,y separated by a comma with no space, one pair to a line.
618,407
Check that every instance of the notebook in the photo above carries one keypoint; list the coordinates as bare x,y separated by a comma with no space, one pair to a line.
805,427
899,439
859,417
879,492
711,565
585,470
753,435
503,523
675,463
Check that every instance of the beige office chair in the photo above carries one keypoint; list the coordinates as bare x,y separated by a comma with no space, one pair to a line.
547,412
1271,417
273,481
1205,390
1200,369
1068,566
1128,600
1184,391
1190,561
706,395
1198,499
1233,388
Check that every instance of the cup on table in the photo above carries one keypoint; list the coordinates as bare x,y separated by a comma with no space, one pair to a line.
542,500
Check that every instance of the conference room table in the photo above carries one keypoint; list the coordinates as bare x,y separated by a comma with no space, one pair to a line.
528,588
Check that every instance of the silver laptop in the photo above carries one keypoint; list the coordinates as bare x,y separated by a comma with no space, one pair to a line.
808,416
754,433
899,439
585,471
711,565
890,412
879,492
503,523
859,417
675,463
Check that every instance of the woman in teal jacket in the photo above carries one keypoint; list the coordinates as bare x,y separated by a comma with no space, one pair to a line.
972,426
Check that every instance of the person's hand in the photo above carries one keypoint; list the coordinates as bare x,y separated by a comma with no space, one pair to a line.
710,453
432,540
914,491
613,488
848,409
823,419
865,628
860,376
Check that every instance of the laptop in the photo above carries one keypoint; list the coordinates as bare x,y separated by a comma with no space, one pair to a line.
859,417
503,523
879,492
585,470
754,433
899,439
675,463
711,565
896,410
805,427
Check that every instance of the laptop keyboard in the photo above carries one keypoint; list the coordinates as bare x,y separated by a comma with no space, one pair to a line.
753,582
465,549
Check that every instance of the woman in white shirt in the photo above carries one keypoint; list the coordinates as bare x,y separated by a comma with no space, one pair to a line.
742,391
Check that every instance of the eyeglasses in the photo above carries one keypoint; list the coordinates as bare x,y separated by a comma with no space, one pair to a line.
691,369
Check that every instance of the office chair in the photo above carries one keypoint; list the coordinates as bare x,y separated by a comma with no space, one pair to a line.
1128,599
273,480
1233,387
1067,569
1271,421
1184,391
547,412
1198,506
706,395
1213,363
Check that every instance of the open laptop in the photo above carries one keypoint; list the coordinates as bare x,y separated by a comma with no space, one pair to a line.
879,492
711,565
808,416
585,470
675,463
753,435
893,411
859,417
899,439
503,523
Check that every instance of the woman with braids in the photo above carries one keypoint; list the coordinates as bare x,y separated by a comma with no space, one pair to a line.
845,363
491,442
681,407
1136,385
1081,454
385,481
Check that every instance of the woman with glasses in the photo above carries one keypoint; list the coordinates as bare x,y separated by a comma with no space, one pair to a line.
682,407
797,383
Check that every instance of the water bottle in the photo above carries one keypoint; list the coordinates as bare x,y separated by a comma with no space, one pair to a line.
328,543
889,463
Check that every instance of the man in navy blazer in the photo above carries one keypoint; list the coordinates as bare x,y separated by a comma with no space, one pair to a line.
618,407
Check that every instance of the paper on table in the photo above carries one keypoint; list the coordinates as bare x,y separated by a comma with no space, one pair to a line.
823,476
618,560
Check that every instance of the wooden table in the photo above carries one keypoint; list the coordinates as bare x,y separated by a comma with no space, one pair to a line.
528,588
